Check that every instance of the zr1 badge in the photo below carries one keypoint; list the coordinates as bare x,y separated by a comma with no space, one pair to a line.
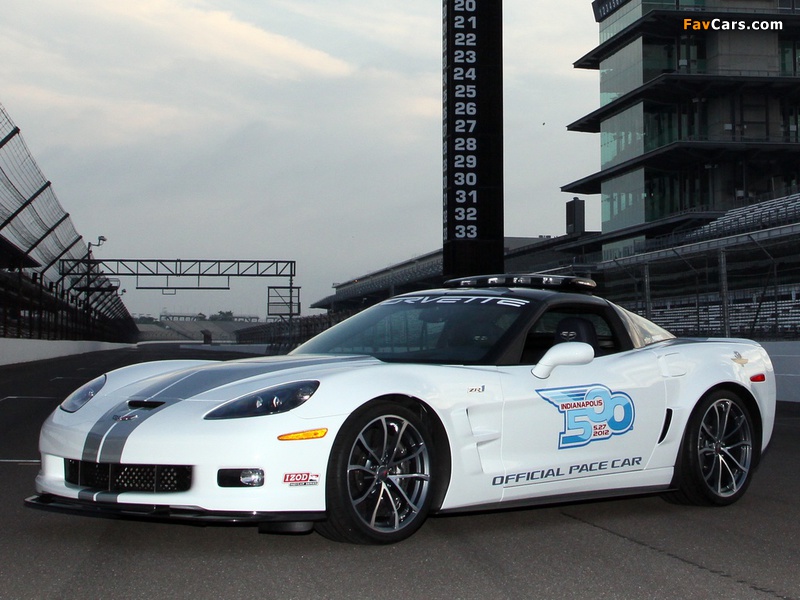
591,413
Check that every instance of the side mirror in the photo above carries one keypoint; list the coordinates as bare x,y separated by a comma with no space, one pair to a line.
567,353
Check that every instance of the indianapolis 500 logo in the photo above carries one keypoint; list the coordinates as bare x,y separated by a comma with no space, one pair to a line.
591,413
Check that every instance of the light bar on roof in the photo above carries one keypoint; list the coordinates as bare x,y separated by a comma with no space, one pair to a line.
530,280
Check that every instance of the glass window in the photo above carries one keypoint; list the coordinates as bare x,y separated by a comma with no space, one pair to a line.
438,328
692,54
622,136
621,72
620,19
546,332
658,57
634,10
790,56
660,126
623,201
791,122
642,331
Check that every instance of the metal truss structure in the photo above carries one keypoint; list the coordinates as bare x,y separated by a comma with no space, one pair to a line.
167,271
170,275
52,287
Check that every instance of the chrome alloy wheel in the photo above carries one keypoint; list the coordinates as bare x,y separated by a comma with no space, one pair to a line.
725,447
388,473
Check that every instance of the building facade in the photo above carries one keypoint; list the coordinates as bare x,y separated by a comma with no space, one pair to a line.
699,122
699,113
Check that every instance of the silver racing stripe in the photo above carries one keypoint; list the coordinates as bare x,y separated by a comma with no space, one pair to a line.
196,380
106,440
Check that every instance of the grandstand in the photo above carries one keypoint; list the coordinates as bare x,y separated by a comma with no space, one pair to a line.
738,274
37,298
419,273
197,330
282,336
751,315
771,212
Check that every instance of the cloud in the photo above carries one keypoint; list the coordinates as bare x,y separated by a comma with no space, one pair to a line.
409,28
303,130
547,43
169,30
151,67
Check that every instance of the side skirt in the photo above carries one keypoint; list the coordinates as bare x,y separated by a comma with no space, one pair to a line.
562,499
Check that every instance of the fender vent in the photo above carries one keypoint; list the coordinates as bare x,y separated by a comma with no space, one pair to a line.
667,423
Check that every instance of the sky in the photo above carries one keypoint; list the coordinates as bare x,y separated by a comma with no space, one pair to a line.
305,130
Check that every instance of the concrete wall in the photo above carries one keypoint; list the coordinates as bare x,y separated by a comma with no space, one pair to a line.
14,351
786,360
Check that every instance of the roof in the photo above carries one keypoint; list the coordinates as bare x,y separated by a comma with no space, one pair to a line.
12,257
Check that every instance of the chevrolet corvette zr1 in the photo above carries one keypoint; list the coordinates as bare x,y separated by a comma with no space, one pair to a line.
490,392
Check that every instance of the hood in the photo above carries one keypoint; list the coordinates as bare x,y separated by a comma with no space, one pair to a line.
112,422
198,380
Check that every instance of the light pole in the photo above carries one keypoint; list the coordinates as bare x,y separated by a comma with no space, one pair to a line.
100,241
88,307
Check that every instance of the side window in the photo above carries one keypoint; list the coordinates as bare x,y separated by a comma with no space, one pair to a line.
565,325
644,332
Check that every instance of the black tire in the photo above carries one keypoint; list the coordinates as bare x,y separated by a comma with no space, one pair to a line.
718,454
380,479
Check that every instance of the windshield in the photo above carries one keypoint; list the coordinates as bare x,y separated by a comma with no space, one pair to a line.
439,328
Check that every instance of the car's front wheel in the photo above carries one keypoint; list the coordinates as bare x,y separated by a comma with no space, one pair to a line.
380,476
718,454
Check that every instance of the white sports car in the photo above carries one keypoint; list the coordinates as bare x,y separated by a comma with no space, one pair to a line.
493,391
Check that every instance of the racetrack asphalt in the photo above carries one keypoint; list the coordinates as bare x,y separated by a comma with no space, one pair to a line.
637,547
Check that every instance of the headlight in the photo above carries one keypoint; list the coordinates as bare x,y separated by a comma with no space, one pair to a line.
83,394
270,401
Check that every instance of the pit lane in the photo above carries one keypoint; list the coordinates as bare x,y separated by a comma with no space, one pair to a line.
628,548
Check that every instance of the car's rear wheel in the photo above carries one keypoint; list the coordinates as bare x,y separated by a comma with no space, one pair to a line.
718,452
380,477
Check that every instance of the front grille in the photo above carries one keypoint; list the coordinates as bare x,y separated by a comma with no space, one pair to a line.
115,477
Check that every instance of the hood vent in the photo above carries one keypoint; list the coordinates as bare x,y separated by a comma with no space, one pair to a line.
145,404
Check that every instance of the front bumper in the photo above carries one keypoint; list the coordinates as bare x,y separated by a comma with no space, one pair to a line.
166,513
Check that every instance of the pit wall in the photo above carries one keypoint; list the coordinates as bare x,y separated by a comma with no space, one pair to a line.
786,361
13,351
